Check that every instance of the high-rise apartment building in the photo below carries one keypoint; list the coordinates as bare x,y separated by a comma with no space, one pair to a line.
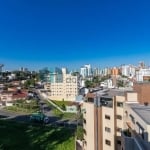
128,70
117,121
143,75
62,85
102,123
86,71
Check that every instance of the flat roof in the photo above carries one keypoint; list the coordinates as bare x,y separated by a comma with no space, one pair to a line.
141,110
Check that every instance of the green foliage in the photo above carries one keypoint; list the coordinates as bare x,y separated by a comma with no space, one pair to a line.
95,81
18,136
29,82
76,74
105,78
62,104
64,115
23,106
61,115
80,133
120,83
88,84
1,147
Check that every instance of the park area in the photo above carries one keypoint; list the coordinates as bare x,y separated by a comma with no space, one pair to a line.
19,136
24,106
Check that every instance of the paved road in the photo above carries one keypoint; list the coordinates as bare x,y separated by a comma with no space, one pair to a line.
47,110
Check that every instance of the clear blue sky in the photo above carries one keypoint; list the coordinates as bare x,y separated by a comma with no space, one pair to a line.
38,33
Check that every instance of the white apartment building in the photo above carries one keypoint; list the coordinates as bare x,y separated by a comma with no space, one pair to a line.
66,89
128,70
141,74
86,71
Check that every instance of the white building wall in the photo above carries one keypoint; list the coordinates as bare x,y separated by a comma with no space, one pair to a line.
125,70
141,73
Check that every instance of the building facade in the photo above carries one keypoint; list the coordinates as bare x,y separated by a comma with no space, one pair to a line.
62,85
143,75
86,71
118,122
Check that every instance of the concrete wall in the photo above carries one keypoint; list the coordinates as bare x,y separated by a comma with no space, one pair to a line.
110,124
89,126
131,96
143,90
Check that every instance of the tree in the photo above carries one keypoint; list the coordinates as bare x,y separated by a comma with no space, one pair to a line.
120,83
1,147
79,133
63,105
29,82
88,84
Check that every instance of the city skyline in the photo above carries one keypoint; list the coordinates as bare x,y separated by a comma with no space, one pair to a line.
37,34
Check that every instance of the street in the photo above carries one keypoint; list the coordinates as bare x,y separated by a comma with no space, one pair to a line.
44,108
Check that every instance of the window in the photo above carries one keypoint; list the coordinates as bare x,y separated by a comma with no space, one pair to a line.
132,119
84,121
126,113
107,129
118,142
119,104
119,117
107,117
141,129
107,142
119,129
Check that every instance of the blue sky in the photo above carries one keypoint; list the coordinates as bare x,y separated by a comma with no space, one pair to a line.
38,33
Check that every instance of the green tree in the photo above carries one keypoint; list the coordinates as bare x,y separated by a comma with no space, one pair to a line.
79,133
1,147
29,82
120,83
88,83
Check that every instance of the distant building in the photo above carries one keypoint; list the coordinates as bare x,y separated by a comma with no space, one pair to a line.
86,71
62,85
128,70
142,74
96,72
22,69
107,84
115,71
1,67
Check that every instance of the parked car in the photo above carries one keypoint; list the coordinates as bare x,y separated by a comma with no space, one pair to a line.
39,117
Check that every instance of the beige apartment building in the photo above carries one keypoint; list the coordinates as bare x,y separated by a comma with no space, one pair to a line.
105,115
118,122
66,88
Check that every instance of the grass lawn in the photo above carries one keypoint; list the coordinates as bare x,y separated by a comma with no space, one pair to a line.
22,106
58,113
62,103
17,136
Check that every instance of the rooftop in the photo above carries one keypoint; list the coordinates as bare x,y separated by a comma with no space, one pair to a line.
141,110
